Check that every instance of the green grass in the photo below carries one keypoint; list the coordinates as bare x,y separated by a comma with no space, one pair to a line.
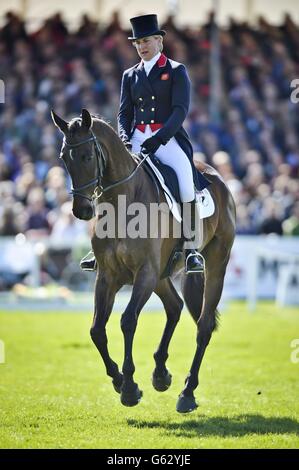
54,392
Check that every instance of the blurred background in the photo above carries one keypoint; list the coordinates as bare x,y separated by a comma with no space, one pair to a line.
242,58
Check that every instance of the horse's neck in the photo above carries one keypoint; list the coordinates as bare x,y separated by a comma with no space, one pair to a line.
119,162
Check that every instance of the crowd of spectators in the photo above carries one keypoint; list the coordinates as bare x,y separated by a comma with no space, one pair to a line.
253,140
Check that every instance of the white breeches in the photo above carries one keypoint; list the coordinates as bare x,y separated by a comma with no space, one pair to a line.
172,155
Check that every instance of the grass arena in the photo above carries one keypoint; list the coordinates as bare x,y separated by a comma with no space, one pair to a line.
100,110
54,391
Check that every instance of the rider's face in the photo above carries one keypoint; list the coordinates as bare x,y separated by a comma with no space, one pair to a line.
147,47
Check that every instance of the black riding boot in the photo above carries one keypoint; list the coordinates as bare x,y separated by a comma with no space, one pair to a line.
194,262
88,263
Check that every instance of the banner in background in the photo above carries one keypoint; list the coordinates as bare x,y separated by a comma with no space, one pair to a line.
254,267
257,259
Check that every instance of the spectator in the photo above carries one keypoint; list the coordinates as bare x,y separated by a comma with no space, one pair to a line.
254,145
66,227
271,220
291,225
8,223
37,213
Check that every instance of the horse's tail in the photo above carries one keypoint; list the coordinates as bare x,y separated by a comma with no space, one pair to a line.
192,286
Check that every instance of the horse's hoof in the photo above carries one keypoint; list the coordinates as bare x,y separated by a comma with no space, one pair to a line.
131,398
161,383
117,383
186,404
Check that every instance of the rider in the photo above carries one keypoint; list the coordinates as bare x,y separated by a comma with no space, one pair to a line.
155,97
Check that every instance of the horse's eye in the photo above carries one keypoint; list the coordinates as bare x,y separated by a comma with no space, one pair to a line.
87,158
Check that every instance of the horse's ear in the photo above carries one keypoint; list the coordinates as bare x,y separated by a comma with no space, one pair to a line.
86,119
59,122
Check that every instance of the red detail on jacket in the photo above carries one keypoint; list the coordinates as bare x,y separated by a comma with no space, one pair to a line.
162,60
154,127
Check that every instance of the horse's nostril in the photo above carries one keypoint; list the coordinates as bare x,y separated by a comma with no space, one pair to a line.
88,212
83,213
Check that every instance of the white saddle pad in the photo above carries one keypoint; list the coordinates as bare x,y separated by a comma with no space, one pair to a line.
204,201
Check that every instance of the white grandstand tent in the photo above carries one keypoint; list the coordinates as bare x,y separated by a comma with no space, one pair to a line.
188,12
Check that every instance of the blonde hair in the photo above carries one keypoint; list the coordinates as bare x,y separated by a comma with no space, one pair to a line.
160,42
157,36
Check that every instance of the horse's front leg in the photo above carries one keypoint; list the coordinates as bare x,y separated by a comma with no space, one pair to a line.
105,291
173,305
144,285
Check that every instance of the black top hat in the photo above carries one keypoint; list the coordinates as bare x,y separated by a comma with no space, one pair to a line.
145,25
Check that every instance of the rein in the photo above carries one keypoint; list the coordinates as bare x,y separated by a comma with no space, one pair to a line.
101,165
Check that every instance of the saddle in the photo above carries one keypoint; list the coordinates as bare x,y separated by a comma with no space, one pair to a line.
169,176
164,178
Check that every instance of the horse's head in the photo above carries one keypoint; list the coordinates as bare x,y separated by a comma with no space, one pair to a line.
84,159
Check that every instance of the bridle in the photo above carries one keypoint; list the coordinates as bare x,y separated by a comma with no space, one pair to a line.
101,166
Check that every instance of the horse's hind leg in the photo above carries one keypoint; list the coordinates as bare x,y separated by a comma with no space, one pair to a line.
144,284
214,277
192,286
104,299
173,305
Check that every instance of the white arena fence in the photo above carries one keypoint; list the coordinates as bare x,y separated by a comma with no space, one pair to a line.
261,267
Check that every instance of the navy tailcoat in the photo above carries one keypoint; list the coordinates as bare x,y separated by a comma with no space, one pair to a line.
162,97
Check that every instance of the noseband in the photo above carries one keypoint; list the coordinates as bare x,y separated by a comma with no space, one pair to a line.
101,166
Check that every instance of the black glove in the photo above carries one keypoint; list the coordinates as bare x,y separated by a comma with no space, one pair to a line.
151,145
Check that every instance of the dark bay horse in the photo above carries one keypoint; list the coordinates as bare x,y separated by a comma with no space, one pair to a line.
101,168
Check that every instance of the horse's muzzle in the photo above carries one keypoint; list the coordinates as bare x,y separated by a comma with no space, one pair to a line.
83,212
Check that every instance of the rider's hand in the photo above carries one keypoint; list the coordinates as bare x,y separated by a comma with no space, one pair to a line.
151,145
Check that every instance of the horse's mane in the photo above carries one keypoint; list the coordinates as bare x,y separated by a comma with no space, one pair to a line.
74,126
103,128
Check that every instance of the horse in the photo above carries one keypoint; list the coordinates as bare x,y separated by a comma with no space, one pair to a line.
101,168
